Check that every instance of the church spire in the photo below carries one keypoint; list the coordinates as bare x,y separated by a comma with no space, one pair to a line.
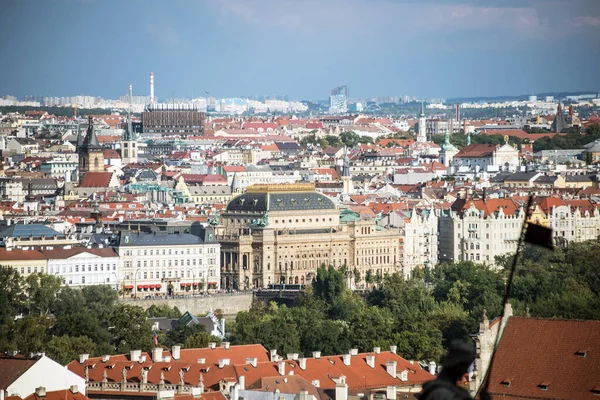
91,140
346,166
128,134
422,110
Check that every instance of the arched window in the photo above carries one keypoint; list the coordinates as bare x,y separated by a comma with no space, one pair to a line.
96,162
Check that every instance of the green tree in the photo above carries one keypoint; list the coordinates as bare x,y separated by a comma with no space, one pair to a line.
13,299
163,310
130,329
328,284
29,334
42,290
200,340
64,349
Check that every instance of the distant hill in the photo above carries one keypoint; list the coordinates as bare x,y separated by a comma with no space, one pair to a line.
556,95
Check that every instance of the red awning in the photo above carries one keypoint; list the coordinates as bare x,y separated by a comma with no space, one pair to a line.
128,287
152,286
140,287
146,286
158,286
195,283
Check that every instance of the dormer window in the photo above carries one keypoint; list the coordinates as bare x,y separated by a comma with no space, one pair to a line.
581,353
506,382
544,385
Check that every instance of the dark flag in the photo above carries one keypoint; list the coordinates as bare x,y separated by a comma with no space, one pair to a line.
539,235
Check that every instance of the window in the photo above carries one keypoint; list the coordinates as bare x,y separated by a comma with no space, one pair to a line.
83,279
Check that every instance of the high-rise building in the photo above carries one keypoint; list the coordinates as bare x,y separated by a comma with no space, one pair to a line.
338,101
173,119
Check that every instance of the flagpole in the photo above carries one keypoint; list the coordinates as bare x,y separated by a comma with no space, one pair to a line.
486,384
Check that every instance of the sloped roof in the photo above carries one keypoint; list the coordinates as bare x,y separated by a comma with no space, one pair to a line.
562,354
476,151
28,230
11,368
96,179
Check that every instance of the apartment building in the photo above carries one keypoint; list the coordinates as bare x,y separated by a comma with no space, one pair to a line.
168,263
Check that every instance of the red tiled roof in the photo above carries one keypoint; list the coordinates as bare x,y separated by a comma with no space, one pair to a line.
490,206
60,253
96,179
476,151
521,134
234,168
15,254
59,395
11,368
111,154
563,354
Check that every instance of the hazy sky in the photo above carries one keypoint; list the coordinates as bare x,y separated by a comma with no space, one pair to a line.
301,48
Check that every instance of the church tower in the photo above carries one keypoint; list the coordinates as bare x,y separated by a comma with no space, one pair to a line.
448,150
346,176
129,149
422,135
91,154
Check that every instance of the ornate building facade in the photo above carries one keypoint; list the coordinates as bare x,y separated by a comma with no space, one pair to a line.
282,233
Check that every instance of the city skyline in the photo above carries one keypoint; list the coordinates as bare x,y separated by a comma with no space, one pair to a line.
445,49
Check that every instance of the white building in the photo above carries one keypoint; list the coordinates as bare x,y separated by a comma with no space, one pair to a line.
60,168
420,232
478,230
21,376
81,266
169,263
486,158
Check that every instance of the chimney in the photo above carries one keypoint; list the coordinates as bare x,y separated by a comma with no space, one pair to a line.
393,349
295,356
303,395
157,354
212,345
105,358
353,352
142,359
346,358
341,389
176,352
302,363
371,361
201,360
390,393
273,353
223,362
151,87
40,391
226,345
390,367
252,361
432,367
316,354
289,356
281,365
134,355
242,382
83,358
74,389
376,350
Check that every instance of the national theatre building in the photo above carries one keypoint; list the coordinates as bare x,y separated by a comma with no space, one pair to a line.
283,233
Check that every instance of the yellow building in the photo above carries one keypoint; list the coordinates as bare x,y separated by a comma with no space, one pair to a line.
24,261
283,233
